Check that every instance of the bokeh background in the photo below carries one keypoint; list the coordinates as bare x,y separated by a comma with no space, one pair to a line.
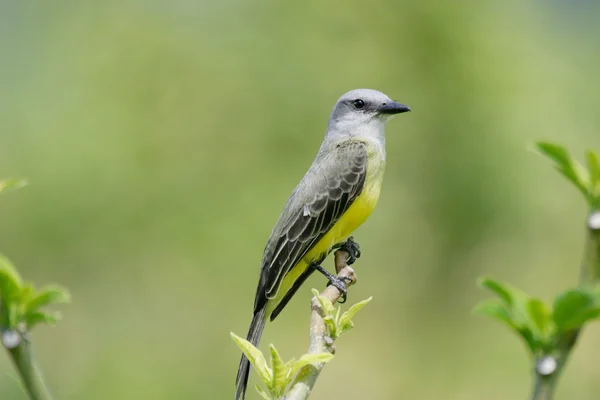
161,140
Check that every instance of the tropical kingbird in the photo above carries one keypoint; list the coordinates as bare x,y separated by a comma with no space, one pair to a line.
337,194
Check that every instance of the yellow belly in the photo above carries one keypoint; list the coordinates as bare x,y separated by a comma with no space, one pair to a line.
356,214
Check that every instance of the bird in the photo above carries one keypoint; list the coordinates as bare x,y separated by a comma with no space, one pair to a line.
336,195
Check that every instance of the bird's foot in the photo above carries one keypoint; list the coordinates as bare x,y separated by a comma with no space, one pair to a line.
352,248
340,284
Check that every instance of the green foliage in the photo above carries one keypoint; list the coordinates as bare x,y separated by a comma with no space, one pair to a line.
573,308
513,309
587,180
278,376
336,322
540,326
22,303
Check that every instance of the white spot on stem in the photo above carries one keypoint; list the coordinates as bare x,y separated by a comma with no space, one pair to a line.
594,221
11,339
546,366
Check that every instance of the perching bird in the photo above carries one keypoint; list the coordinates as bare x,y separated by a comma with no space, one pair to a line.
337,194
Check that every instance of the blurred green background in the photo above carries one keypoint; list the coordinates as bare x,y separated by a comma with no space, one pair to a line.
161,140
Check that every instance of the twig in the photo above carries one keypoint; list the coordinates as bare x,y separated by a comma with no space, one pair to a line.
548,367
19,349
320,342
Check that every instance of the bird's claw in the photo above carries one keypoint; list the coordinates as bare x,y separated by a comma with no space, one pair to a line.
353,250
341,284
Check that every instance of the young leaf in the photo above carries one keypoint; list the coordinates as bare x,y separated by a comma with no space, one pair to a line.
10,280
34,318
529,338
311,359
328,313
573,308
507,293
332,327
514,315
495,309
594,167
256,358
12,184
281,372
26,293
565,165
345,322
47,296
540,316
9,315
262,393
326,305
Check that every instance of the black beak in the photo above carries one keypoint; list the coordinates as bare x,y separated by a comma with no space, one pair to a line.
393,108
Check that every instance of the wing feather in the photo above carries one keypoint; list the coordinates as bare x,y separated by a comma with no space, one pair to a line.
327,190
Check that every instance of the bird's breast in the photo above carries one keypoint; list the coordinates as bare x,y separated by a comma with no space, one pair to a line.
358,212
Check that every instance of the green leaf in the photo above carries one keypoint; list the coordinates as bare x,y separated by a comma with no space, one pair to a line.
511,309
281,372
507,293
594,168
256,358
48,296
329,313
35,318
12,184
311,359
26,293
345,322
495,309
573,308
541,316
337,315
10,280
325,304
9,315
515,299
20,303
530,339
571,169
262,393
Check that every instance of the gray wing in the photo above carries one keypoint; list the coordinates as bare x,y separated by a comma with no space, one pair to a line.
324,194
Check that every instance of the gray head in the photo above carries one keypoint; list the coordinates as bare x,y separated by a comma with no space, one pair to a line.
363,108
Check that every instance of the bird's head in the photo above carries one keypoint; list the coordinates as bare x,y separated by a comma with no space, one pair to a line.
363,107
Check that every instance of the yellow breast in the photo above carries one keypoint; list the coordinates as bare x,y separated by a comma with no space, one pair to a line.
356,214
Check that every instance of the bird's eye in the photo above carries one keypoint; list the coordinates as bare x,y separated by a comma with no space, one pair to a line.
358,103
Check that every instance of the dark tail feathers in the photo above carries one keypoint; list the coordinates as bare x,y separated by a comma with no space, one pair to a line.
254,334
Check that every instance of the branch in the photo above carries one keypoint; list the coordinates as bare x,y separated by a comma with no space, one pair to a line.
590,267
320,342
548,367
19,349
